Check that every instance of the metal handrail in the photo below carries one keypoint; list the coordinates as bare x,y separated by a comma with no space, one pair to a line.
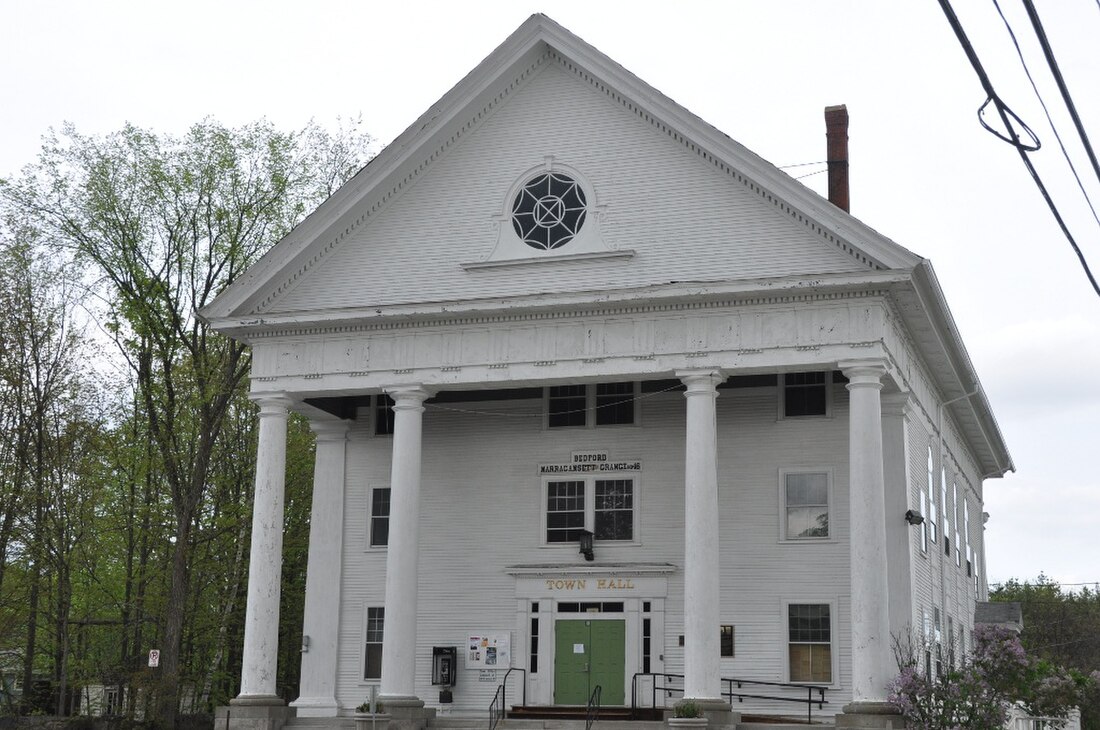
499,711
496,712
592,712
729,682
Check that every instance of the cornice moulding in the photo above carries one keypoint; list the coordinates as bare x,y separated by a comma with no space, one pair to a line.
671,297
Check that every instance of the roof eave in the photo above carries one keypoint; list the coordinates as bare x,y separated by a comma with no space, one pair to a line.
961,384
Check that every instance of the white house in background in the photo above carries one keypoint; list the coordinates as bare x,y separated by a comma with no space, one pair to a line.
561,306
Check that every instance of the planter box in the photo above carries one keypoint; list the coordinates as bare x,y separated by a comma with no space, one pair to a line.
687,723
367,721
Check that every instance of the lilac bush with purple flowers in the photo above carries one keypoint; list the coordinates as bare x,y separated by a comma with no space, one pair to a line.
978,694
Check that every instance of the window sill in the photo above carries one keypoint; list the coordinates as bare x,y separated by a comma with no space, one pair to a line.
606,544
809,541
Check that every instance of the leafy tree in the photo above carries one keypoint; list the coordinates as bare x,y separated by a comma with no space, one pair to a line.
978,694
163,224
1060,627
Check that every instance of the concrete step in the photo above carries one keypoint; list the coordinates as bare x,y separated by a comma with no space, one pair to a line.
824,723
320,723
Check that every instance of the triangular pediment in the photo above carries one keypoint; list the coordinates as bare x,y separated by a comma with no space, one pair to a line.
668,199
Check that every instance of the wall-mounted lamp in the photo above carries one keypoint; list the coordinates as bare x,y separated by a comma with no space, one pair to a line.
305,643
586,545
913,517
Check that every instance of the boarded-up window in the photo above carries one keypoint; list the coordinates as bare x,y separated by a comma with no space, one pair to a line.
810,642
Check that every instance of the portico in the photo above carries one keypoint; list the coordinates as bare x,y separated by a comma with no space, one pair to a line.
701,561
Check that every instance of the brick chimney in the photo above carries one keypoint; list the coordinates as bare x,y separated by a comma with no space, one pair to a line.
836,135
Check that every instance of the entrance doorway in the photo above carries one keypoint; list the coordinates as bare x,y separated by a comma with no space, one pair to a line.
588,653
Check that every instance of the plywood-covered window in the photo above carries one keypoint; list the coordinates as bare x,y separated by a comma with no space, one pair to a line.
810,642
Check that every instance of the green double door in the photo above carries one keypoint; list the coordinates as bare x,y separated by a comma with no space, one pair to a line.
586,654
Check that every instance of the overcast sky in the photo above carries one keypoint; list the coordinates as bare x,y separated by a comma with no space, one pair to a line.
922,170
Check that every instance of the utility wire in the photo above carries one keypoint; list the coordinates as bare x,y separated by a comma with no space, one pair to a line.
1046,111
1053,63
1005,114
539,413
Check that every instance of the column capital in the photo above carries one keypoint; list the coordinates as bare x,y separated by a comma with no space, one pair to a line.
271,404
865,373
329,429
408,396
702,381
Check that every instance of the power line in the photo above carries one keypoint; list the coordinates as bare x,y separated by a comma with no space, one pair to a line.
1046,111
1048,52
1005,114
820,162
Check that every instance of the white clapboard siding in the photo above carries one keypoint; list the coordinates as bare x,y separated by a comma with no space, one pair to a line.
481,511
685,218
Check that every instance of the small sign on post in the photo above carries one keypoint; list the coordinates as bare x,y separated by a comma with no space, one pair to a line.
154,657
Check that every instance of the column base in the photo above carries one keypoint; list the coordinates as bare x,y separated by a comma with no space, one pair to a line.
406,712
870,715
316,707
252,714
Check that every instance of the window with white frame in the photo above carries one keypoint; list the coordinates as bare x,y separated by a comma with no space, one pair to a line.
806,394
604,506
810,642
927,644
966,535
805,498
599,404
372,655
379,527
955,519
924,524
931,497
943,506
951,643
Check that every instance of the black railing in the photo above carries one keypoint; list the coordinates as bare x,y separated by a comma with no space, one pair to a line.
665,683
592,712
498,708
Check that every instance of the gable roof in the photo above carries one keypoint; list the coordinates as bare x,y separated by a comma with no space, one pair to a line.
457,111
239,309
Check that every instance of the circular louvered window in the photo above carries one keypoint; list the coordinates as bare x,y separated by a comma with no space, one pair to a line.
549,211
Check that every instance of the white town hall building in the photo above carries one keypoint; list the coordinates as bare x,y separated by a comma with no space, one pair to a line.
599,394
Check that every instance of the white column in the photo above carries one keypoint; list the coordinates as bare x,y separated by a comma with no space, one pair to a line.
702,672
399,635
321,616
866,495
265,562
895,463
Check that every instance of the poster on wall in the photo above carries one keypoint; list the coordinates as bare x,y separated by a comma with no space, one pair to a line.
489,650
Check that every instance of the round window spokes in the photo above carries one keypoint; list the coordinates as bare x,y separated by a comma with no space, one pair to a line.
549,211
